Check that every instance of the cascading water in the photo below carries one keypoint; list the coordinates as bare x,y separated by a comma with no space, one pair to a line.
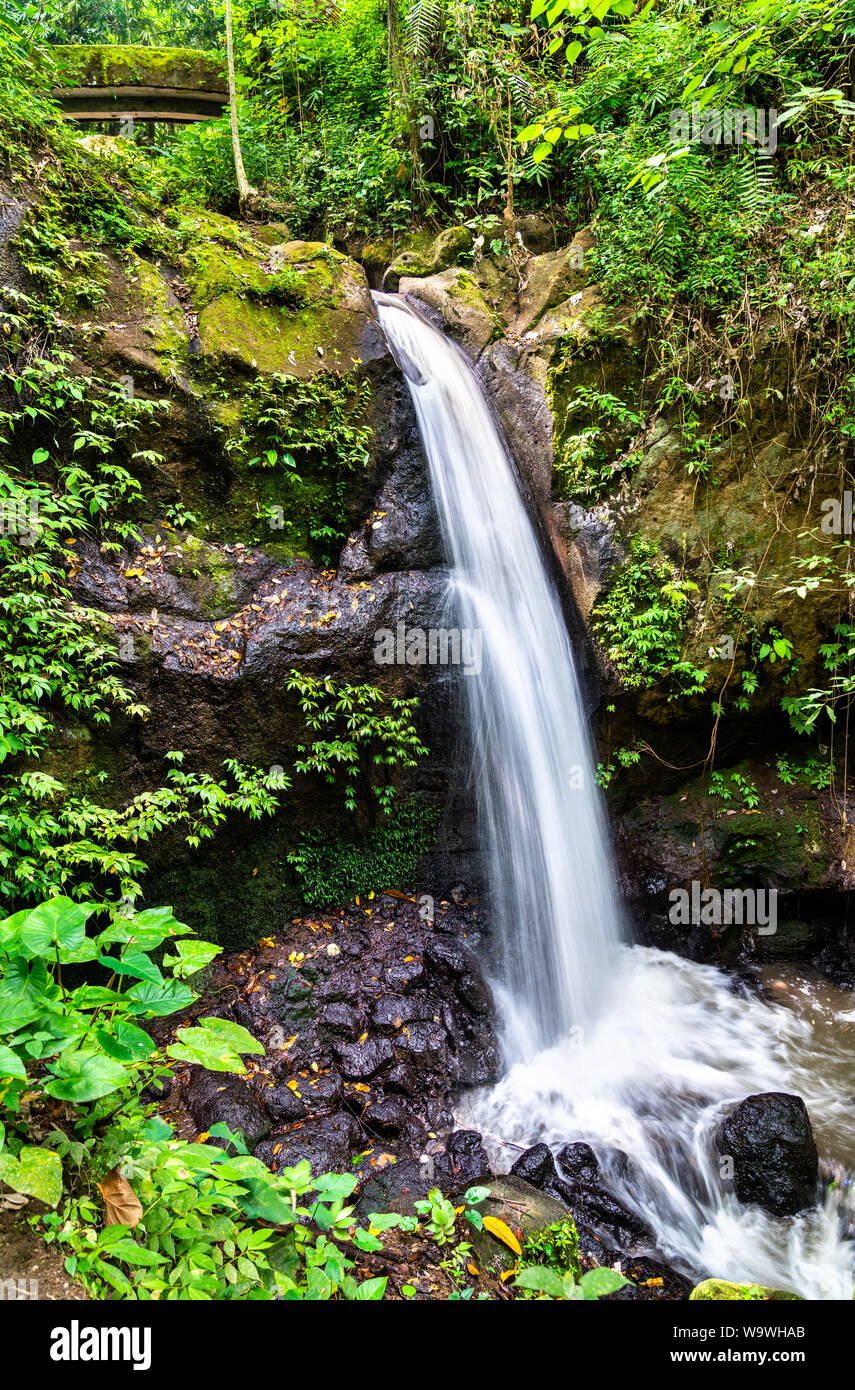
636,1051
553,903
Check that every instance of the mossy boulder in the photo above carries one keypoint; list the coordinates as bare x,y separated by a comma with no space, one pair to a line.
448,247
328,325
457,296
523,1209
721,1291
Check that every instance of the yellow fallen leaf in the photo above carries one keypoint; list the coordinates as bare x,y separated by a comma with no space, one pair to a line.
508,1274
502,1232
473,1270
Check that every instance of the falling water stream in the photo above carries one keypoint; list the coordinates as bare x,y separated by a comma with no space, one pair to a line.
636,1051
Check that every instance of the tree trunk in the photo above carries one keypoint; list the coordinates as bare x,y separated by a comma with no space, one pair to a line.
245,189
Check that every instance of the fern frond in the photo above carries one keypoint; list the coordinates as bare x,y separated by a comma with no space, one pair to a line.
424,18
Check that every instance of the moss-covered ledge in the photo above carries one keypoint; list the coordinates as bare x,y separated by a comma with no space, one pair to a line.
119,65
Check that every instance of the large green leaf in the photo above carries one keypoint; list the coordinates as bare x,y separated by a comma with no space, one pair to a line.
540,1279
145,929
372,1289
80,1076
88,950
596,1283
10,931
263,1203
57,922
35,1172
134,963
159,1000
216,1043
125,1042
191,956
11,1064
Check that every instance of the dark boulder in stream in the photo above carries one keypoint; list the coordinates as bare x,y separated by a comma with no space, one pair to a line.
770,1143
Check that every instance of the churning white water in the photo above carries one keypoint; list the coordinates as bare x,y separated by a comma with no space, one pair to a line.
638,1052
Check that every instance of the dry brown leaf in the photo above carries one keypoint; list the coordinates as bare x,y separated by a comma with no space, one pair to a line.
121,1204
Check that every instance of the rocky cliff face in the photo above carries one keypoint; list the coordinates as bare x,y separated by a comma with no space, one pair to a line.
285,518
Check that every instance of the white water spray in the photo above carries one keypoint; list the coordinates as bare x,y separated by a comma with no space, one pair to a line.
637,1052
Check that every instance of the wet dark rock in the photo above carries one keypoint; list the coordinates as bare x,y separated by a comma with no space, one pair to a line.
215,1097
359,1061
403,1079
609,1218
579,1163
322,1092
469,1158
597,1211
340,1020
479,1058
400,1185
392,1011
388,1117
425,1041
536,1166
449,960
342,986
284,1105
771,1144
404,975
326,1142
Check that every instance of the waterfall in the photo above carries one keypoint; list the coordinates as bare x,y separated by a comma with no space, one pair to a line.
638,1052
552,898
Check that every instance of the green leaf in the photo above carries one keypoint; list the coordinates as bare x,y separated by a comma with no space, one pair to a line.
145,929
124,1042
81,1076
159,1000
541,1280
263,1203
373,1289
10,930
216,1043
59,921
599,1282
134,963
364,1240
335,1184
35,1172
531,132
130,1253
11,1064
191,956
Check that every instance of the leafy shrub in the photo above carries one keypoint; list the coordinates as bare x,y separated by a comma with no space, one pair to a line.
641,622
334,871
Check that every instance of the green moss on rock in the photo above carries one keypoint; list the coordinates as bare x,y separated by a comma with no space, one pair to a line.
719,1290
